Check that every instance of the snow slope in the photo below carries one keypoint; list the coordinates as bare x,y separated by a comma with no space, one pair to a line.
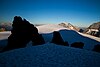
48,28
52,55
90,36
49,55
72,36
68,35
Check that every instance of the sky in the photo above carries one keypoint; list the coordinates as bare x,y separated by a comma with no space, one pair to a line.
80,13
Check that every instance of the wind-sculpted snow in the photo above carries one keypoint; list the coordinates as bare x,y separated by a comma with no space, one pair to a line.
49,55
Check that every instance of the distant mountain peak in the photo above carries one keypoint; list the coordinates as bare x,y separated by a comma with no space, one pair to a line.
94,26
68,25
93,29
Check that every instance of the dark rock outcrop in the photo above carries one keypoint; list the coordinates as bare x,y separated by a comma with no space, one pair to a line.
37,39
96,48
77,45
57,39
21,34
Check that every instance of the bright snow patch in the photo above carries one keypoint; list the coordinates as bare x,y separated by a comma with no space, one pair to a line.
4,35
48,28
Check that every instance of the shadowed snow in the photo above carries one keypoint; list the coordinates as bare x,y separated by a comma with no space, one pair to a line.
49,55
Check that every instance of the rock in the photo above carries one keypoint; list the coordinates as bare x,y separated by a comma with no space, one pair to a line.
77,45
21,34
57,39
96,48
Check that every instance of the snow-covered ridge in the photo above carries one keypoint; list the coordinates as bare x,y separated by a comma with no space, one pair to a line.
90,36
48,28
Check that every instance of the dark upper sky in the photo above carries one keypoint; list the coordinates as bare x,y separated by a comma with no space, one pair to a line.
77,12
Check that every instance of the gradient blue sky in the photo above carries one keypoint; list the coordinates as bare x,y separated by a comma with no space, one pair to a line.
77,12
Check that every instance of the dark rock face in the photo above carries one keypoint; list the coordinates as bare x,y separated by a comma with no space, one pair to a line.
81,30
96,48
66,43
21,34
98,34
37,39
57,39
77,45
